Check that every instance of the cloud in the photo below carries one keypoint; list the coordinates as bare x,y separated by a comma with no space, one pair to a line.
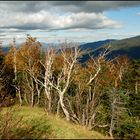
138,13
45,20
59,15
93,6
66,6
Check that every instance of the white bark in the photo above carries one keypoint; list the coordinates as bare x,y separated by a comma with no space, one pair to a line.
63,107
112,118
65,76
136,87
15,72
97,64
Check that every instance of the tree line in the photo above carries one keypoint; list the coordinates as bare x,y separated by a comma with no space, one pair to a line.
101,94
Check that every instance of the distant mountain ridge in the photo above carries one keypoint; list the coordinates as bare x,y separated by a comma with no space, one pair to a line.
95,45
93,48
128,46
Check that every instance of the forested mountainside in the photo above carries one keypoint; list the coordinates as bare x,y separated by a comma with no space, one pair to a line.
94,45
129,47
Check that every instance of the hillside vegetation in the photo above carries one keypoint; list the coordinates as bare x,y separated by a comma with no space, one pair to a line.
36,123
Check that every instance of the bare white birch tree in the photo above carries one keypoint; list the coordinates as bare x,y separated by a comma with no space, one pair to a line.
70,57
16,85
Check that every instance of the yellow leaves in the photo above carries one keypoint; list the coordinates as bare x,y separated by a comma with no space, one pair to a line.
58,63
26,56
80,76
9,58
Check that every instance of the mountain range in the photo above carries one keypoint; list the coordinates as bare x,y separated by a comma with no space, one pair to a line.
128,46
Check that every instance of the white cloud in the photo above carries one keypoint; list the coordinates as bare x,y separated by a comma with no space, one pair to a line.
45,20
31,15
138,13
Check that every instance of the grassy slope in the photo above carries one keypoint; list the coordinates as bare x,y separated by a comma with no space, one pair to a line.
50,126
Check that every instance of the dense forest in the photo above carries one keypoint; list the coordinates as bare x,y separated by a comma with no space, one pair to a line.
101,94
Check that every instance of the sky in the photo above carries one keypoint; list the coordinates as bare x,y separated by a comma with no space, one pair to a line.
73,21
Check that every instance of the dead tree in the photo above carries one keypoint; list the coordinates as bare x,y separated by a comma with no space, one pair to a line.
93,99
117,104
16,85
70,57
48,67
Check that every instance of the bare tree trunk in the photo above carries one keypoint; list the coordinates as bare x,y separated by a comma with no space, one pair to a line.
50,105
20,99
64,108
32,93
83,118
49,100
19,94
86,111
15,73
38,94
47,91
32,99
136,87
112,118
25,98
58,108
92,121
